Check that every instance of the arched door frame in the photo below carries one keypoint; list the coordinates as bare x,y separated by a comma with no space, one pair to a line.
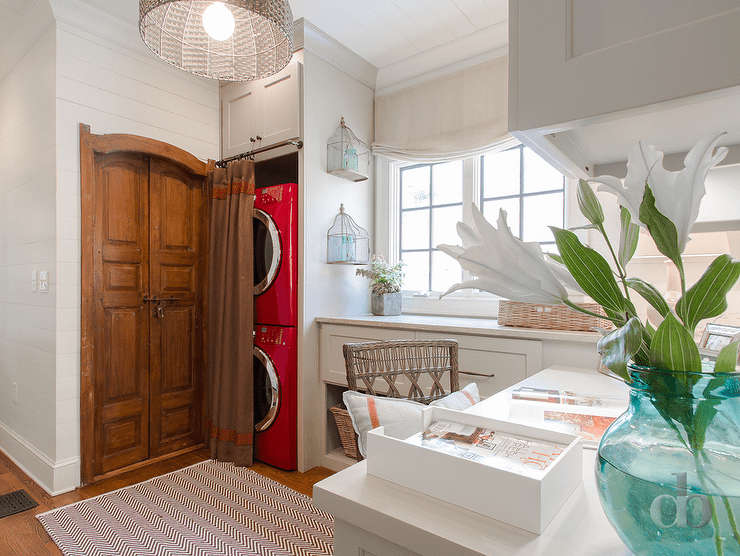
90,145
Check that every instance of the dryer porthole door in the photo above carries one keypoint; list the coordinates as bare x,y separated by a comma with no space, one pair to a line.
266,391
268,250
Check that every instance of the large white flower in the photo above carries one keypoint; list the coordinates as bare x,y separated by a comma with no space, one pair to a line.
503,264
677,194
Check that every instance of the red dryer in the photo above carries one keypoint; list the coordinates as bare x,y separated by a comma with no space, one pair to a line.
275,224
275,396
275,221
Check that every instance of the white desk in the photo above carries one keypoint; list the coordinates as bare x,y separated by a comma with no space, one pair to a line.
376,518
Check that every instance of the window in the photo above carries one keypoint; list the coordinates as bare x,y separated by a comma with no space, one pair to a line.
530,191
431,207
433,197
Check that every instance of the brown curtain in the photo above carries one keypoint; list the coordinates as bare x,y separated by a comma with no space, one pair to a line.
231,314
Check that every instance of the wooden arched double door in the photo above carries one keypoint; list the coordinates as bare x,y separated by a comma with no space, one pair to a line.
143,301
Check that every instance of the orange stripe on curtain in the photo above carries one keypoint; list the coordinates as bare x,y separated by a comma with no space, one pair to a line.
223,435
229,382
223,191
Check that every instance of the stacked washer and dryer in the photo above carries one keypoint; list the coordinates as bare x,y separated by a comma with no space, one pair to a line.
275,220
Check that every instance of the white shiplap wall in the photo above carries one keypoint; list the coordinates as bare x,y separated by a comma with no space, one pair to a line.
106,78
28,242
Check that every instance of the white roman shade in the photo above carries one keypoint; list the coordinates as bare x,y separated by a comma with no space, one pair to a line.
450,117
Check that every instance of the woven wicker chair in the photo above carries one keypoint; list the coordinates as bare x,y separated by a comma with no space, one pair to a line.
385,368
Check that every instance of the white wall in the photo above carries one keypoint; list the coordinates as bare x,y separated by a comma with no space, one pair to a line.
327,290
28,242
106,78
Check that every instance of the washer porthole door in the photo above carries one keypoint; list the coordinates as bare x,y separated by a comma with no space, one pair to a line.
268,250
266,391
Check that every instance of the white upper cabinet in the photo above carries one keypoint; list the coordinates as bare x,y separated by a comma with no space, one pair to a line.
268,108
588,78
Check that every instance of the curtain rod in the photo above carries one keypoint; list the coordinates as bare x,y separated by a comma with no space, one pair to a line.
225,161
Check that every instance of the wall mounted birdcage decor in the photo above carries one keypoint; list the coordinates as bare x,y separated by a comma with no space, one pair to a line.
346,156
346,242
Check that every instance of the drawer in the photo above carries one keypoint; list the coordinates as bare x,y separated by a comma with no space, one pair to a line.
333,337
493,363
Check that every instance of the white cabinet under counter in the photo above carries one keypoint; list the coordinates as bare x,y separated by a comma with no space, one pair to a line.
494,357
492,363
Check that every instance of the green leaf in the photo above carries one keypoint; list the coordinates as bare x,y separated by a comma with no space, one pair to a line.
555,257
697,429
642,357
727,359
628,237
708,297
589,203
619,346
662,230
673,348
590,270
650,294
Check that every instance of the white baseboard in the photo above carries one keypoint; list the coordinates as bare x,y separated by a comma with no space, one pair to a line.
54,477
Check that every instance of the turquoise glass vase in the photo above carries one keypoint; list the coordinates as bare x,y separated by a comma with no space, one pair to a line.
668,469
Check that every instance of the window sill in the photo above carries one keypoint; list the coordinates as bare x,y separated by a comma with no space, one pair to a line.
476,307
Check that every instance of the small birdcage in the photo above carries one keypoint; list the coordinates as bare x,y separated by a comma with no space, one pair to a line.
346,242
347,157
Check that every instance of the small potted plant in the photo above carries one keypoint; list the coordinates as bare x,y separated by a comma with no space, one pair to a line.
385,286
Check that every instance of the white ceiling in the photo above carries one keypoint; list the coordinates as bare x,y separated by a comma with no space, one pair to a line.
10,13
386,31
380,31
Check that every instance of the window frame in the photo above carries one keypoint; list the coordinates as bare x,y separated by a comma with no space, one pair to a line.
463,303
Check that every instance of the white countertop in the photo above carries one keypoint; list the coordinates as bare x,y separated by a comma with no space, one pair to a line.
429,526
478,327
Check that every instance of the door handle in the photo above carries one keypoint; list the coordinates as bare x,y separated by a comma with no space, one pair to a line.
158,310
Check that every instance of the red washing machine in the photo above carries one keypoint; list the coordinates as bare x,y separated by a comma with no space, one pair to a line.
275,396
275,221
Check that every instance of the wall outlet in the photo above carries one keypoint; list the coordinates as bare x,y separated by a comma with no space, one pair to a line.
15,392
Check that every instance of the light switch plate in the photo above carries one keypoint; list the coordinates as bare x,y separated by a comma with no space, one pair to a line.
44,281
34,282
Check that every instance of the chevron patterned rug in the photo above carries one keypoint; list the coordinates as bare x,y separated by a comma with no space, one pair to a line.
208,509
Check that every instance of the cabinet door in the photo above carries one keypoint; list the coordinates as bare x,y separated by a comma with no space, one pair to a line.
281,105
333,337
269,108
241,114
493,363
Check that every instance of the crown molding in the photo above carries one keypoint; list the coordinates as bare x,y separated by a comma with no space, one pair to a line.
312,39
470,50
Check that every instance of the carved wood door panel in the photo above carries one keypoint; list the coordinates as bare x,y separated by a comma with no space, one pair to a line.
176,208
148,261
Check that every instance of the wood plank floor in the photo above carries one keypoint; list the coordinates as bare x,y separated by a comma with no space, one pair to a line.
22,534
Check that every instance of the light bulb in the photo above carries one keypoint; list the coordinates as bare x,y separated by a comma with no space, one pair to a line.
218,21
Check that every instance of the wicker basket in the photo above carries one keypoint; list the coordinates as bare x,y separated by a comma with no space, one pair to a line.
347,433
554,317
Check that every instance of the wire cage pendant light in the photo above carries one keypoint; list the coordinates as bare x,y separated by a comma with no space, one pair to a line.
260,46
